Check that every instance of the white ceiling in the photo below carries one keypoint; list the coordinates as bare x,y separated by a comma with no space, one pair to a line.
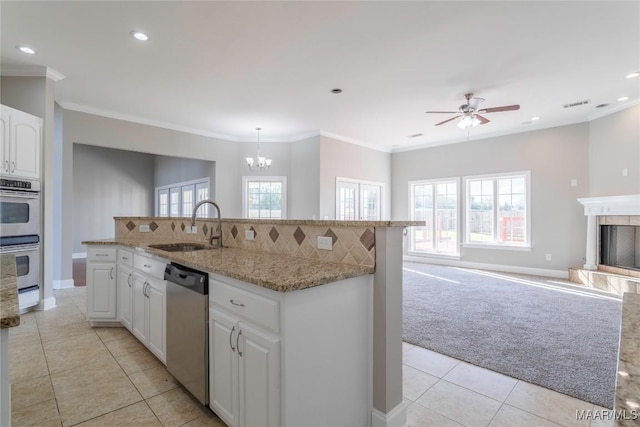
225,68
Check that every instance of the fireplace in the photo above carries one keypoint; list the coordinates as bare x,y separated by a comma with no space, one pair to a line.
620,246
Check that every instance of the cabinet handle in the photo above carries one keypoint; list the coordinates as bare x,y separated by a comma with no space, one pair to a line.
125,258
7,163
239,304
13,164
144,289
238,342
102,254
111,273
129,279
231,339
147,266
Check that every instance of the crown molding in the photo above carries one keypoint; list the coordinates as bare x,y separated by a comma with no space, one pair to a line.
31,71
612,110
355,142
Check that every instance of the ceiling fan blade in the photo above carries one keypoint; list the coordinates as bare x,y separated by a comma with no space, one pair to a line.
483,120
475,102
446,112
498,109
448,120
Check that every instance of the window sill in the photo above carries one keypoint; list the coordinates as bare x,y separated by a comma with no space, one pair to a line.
433,255
525,248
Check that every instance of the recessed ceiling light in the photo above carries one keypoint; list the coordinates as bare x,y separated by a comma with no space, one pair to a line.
533,119
26,49
139,35
623,98
336,90
632,75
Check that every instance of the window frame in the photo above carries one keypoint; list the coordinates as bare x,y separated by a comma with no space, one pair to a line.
283,195
358,199
494,243
175,190
435,181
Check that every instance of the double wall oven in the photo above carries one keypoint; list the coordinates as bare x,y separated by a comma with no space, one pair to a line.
20,233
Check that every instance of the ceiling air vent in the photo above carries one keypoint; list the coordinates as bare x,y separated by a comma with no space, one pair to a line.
415,135
576,104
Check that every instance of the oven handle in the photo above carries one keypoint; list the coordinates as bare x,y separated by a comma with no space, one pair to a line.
19,194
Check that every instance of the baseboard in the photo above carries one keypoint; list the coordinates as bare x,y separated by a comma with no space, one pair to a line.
397,417
78,255
63,284
558,274
47,304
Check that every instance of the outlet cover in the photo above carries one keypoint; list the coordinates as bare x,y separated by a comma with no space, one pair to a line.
194,229
249,235
144,228
325,243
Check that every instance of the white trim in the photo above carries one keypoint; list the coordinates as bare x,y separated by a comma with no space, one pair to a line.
474,245
559,274
78,255
31,71
63,284
611,205
47,304
607,111
397,417
355,142
283,199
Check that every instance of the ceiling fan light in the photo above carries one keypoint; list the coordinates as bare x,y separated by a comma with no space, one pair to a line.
468,121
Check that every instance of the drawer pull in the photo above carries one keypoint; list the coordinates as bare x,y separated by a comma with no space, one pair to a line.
102,254
125,258
239,304
231,339
238,342
147,266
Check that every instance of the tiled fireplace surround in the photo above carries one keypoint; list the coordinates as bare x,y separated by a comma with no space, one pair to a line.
353,244
615,210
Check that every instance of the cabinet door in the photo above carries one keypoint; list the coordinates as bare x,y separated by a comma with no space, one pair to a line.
156,309
25,145
4,142
101,291
223,366
125,287
138,311
259,377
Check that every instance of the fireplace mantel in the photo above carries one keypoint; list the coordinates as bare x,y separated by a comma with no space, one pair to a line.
611,205
604,206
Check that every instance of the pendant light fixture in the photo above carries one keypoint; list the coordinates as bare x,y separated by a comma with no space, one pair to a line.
258,161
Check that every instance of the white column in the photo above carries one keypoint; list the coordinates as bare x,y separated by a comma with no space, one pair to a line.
591,263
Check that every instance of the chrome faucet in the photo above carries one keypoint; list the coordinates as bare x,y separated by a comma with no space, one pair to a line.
217,236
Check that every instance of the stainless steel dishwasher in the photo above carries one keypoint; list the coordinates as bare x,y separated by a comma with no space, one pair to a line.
188,328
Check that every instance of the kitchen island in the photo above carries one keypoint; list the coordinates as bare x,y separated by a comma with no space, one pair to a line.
298,335
9,317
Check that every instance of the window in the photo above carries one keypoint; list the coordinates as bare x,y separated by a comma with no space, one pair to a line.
435,202
358,200
497,209
264,197
179,199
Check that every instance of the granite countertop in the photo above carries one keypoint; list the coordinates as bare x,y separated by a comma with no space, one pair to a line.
9,304
277,272
325,222
628,381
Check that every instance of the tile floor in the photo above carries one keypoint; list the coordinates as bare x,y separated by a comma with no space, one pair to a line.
64,372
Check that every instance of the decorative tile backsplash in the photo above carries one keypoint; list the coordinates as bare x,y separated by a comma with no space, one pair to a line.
353,245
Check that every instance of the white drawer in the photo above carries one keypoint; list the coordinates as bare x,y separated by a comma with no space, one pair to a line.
101,253
125,257
149,266
262,311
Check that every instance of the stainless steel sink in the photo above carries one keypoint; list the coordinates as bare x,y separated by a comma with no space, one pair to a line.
179,247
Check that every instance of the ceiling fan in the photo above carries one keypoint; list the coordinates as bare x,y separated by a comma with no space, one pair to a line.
470,112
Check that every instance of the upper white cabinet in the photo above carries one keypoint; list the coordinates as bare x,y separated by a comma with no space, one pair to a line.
21,135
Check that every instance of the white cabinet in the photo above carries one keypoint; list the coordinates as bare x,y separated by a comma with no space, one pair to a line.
125,292
101,283
21,135
244,373
148,313
293,358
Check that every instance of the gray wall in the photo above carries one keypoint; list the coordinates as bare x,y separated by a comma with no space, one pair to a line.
554,156
108,183
304,179
614,144
171,170
344,160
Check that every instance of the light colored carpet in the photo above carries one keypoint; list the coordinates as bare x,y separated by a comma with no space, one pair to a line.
563,338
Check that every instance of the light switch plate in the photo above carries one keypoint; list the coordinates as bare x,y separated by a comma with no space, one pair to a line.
325,243
249,235
144,228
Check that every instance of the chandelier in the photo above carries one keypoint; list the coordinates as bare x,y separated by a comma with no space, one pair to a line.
258,161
